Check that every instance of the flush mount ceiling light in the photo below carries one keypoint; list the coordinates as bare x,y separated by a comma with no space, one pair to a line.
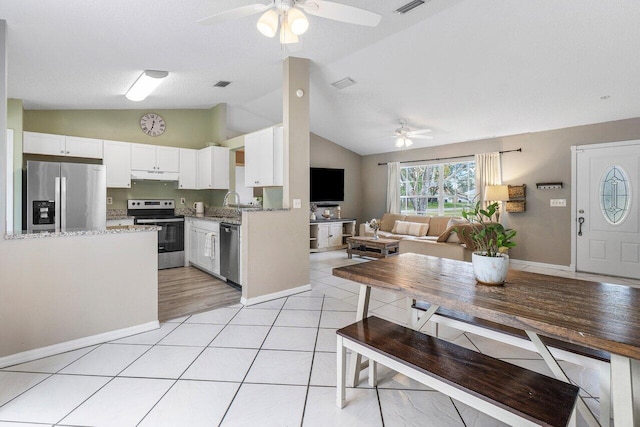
148,81
287,16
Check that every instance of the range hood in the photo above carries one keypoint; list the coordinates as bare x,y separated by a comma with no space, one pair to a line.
154,176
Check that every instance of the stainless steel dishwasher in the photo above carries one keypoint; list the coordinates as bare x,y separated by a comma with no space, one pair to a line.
230,252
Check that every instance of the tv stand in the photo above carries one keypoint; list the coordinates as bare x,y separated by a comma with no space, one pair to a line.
330,234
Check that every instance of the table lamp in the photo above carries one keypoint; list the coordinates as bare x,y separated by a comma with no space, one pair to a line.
496,193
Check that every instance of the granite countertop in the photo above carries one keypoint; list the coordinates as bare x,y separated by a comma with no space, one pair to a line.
69,233
228,220
321,220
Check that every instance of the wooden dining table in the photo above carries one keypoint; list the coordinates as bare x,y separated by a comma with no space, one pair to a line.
602,316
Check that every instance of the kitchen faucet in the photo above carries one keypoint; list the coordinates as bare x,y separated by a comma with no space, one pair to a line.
226,200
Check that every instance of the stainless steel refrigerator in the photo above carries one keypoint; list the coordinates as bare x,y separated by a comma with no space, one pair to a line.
66,196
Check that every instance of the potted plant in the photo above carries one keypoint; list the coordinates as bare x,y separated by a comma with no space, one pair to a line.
492,241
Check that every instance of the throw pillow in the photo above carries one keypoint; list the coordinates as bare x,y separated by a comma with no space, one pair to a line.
449,235
410,228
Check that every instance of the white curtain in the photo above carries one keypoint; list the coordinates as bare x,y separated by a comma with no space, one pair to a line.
393,187
487,173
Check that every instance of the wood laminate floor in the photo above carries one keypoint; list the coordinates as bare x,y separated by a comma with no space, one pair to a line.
187,290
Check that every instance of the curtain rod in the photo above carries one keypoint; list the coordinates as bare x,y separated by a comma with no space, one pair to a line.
448,158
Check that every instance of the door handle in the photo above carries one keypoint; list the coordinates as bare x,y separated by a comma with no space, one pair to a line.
580,222
63,203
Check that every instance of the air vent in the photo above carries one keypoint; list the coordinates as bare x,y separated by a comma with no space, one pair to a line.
409,6
222,83
346,82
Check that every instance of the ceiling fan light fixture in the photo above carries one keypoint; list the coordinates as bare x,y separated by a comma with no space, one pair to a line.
408,142
148,81
268,23
286,35
298,22
399,142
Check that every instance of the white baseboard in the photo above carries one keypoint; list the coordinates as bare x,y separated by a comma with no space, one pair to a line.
542,265
39,353
275,295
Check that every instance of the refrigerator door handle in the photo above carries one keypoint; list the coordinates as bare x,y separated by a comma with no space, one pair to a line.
63,203
57,204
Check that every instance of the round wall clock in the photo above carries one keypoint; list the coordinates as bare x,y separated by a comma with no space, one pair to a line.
152,124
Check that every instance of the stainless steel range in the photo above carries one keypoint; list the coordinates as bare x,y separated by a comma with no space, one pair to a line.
161,213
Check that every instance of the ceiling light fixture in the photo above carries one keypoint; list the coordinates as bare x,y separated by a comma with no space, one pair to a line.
148,81
403,141
291,23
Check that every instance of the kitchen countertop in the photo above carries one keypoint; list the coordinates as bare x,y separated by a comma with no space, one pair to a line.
320,221
69,233
226,219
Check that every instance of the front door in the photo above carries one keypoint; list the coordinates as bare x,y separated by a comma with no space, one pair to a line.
607,209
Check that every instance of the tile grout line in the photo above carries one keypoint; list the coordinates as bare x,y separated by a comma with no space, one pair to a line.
313,358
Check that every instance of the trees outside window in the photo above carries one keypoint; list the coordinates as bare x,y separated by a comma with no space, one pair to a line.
437,189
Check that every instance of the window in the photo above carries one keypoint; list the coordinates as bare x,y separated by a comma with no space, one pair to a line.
437,189
615,195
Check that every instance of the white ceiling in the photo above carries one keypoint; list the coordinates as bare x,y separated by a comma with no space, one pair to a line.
467,69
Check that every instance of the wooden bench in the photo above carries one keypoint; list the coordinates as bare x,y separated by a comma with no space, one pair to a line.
506,392
573,353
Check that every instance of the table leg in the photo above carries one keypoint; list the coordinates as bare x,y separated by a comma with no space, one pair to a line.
355,364
552,363
622,390
341,362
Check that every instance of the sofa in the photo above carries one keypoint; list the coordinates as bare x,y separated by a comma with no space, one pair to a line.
427,235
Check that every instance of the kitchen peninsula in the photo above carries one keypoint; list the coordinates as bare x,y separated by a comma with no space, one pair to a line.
75,289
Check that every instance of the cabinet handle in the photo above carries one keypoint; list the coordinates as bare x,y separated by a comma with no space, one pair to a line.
62,152
67,152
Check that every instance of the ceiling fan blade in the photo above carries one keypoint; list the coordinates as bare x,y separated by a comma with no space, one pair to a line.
341,12
237,13
419,136
418,132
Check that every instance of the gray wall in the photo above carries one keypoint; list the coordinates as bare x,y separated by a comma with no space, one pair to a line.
544,233
326,154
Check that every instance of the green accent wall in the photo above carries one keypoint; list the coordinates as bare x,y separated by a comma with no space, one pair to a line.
15,121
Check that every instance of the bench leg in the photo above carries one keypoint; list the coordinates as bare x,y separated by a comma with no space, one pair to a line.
605,395
373,373
622,391
342,374
355,364
559,373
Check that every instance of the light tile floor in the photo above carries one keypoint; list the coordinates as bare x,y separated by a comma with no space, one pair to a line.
272,364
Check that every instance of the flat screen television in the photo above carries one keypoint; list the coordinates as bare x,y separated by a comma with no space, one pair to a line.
327,185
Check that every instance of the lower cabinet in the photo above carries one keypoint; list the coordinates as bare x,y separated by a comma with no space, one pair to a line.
201,232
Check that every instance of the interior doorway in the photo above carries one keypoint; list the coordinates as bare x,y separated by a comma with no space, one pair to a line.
606,208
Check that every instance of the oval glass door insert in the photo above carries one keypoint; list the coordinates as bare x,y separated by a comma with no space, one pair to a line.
615,195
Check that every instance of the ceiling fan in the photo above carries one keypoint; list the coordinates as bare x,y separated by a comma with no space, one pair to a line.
288,17
403,135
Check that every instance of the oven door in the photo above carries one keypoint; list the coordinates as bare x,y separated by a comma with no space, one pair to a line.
170,234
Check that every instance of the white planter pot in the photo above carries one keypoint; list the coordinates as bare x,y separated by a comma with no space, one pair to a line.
490,270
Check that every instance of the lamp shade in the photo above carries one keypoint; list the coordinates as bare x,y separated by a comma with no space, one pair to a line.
298,23
148,81
496,193
286,35
268,23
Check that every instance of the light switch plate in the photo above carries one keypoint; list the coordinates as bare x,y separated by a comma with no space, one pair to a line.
297,203
183,200
558,203
109,200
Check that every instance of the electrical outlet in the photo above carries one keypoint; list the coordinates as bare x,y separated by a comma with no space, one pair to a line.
558,203
297,203
183,200
109,200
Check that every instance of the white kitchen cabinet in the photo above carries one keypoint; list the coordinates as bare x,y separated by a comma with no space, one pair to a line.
117,159
61,145
188,169
264,158
199,232
155,158
213,168
329,235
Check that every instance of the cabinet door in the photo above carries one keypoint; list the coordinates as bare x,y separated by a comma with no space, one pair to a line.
204,169
204,261
167,159
143,157
323,236
220,168
117,159
188,169
335,234
258,163
43,143
83,147
193,245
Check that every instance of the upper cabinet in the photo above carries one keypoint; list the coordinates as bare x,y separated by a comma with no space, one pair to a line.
264,158
188,169
117,159
155,158
61,145
213,168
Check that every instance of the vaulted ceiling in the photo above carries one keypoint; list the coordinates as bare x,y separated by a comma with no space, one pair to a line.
466,69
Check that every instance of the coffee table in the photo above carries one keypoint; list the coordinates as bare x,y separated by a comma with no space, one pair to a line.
372,248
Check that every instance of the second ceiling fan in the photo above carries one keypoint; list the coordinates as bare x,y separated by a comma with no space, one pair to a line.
288,16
